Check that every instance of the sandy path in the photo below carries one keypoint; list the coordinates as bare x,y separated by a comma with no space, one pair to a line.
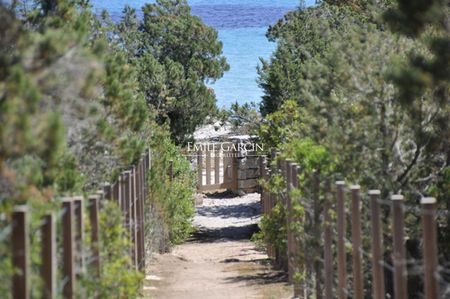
219,262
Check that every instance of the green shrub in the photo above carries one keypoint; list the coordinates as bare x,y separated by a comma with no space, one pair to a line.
118,277
73,116
174,200
312,159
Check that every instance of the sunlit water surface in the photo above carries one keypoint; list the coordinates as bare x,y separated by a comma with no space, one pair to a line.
242,25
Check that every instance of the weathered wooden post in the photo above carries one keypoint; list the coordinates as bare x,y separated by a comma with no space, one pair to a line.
283,172
341,255
117,194
132,222
107,191
148,160
139,226
94,218
20,253
79,233
272,200
144,194
328,244
199,170
217,167
68,249
378,288
267,191
122,182
144,163
289,189
292,248
126,180
358,281
235,168
281,165
261,166
101,197
208,167
400,272
261,189
148,163
171,170
430,251
226,166
264,175
116,191
317,234
48,256
299,266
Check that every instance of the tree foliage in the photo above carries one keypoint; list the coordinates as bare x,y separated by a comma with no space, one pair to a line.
376,101
73,115
176,54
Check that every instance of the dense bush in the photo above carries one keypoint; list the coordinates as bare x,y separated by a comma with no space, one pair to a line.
370,102
314,163
73,116
173,200
118,277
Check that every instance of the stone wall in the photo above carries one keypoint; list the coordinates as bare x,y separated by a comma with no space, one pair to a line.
248,172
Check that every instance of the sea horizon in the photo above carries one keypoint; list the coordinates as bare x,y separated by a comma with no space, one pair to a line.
241,26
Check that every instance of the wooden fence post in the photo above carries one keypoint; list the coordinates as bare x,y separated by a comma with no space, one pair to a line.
273,171
94,221
282,171
171,170
148,162
378,288
217,167
299,286
208,167
144,170
139,228
144,194
20,253
122,181
68,249
126,179
430,251
234,171
289,188
341,254
101,198
199,169
265,196
133,229
266,177
328,244
272,201
226,166
400,272
79,234
358,281
317,235
261,189
117,191
107,191
48,256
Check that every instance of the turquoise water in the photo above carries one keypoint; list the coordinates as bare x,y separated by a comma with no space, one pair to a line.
242,25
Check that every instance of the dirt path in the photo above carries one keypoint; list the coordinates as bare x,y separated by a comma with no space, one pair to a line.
219,261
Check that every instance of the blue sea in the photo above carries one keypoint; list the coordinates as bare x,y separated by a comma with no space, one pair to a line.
242,25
